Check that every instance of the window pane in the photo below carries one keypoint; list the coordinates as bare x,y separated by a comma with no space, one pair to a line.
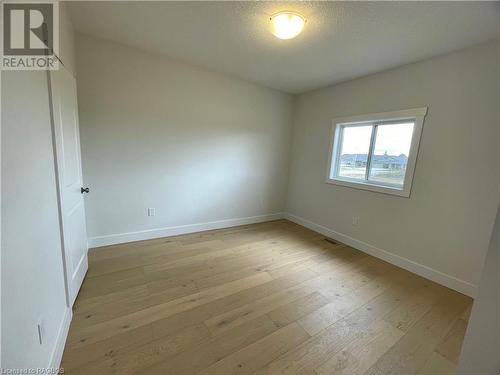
354,151
392,147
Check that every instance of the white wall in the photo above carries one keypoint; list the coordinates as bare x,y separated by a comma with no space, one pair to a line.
198,146
32,269
32,275
483,330
445,225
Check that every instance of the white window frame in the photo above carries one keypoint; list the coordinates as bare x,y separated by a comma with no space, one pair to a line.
417,115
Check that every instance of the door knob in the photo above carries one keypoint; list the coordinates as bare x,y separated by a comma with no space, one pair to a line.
84,190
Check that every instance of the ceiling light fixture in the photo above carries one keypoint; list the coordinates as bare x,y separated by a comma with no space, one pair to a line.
287,25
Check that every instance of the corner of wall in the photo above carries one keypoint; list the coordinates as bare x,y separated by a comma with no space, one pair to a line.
294,98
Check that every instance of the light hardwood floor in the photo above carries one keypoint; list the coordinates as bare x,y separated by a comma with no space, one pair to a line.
268,298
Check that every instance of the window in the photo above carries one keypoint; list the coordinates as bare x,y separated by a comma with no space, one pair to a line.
376,152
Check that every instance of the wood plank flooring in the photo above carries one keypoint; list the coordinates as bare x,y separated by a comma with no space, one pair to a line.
270,298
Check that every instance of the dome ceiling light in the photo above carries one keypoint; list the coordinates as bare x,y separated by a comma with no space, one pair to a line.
287,25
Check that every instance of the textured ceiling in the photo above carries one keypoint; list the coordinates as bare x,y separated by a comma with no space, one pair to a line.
341,40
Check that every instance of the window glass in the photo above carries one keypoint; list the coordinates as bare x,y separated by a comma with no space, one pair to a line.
390,153
354,151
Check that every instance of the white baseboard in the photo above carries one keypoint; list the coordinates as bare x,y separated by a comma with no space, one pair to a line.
57,353
149,234
409,265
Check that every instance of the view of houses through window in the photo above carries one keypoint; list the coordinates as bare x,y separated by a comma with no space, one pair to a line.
377,153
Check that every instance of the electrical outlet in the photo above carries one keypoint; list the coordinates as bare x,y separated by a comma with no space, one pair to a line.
151,211
39,328
355,220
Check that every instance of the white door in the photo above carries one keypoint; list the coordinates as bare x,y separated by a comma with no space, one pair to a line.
69,173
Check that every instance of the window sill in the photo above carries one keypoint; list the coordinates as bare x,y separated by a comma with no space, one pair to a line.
370,187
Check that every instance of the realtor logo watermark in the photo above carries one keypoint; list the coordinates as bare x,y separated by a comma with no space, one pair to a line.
30,36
